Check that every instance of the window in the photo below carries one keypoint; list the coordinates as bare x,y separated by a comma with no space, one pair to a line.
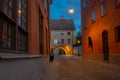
19,12
69,41
102,9
84,3
93,16
117,34
55,41
24,15
68,33
62,41
22,41
7,36
0,33
7,7
117,3
90,43
84,22
55,33
62,33
0,27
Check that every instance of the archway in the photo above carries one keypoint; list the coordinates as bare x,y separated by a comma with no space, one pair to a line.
66,50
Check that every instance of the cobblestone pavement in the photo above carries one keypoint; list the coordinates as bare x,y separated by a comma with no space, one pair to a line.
75,68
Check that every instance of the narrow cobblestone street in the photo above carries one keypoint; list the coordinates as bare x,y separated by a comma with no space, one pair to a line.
75,68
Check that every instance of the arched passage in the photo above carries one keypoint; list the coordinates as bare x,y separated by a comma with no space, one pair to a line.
66,49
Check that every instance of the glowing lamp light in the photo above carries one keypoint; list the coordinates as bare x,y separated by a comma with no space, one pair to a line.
19,11
71,10
78,41
67,47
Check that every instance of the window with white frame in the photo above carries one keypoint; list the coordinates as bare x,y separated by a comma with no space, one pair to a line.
62,33
102,9
55,41
93,16
55,33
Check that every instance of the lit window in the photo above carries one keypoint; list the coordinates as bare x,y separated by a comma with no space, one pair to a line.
93,16
55,41
117,3
117,34
102,9
62,33
84,3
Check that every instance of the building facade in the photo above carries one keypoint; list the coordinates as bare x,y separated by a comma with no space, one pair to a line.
101,30
62,35
24,26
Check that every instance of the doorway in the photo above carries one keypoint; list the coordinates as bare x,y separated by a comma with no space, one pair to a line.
105,45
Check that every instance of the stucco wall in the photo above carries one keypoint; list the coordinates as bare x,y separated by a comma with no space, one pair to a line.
108,22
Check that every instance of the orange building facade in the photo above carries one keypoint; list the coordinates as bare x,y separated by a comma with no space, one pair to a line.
38,27
24,26
101,30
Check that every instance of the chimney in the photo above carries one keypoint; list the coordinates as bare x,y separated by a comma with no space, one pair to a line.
62,17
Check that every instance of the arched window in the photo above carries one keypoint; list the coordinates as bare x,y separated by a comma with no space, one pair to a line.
90,43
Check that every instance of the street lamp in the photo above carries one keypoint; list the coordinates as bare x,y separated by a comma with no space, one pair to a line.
19,11
71,10
78,42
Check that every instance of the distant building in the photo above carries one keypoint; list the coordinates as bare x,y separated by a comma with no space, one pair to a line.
62,34
24,26
101,30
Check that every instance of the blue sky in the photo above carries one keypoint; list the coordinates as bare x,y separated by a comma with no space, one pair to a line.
60,8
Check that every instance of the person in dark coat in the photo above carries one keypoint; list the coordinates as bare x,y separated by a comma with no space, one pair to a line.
51,56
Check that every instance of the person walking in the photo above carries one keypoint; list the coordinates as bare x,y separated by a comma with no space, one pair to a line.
51,55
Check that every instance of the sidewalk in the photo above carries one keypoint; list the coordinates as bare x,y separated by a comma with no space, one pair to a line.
18,56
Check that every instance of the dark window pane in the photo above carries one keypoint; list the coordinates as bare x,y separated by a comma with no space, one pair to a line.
117,34
68,33
69,41
62,33
62,41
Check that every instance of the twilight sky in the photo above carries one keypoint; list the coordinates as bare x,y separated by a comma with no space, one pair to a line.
60,8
